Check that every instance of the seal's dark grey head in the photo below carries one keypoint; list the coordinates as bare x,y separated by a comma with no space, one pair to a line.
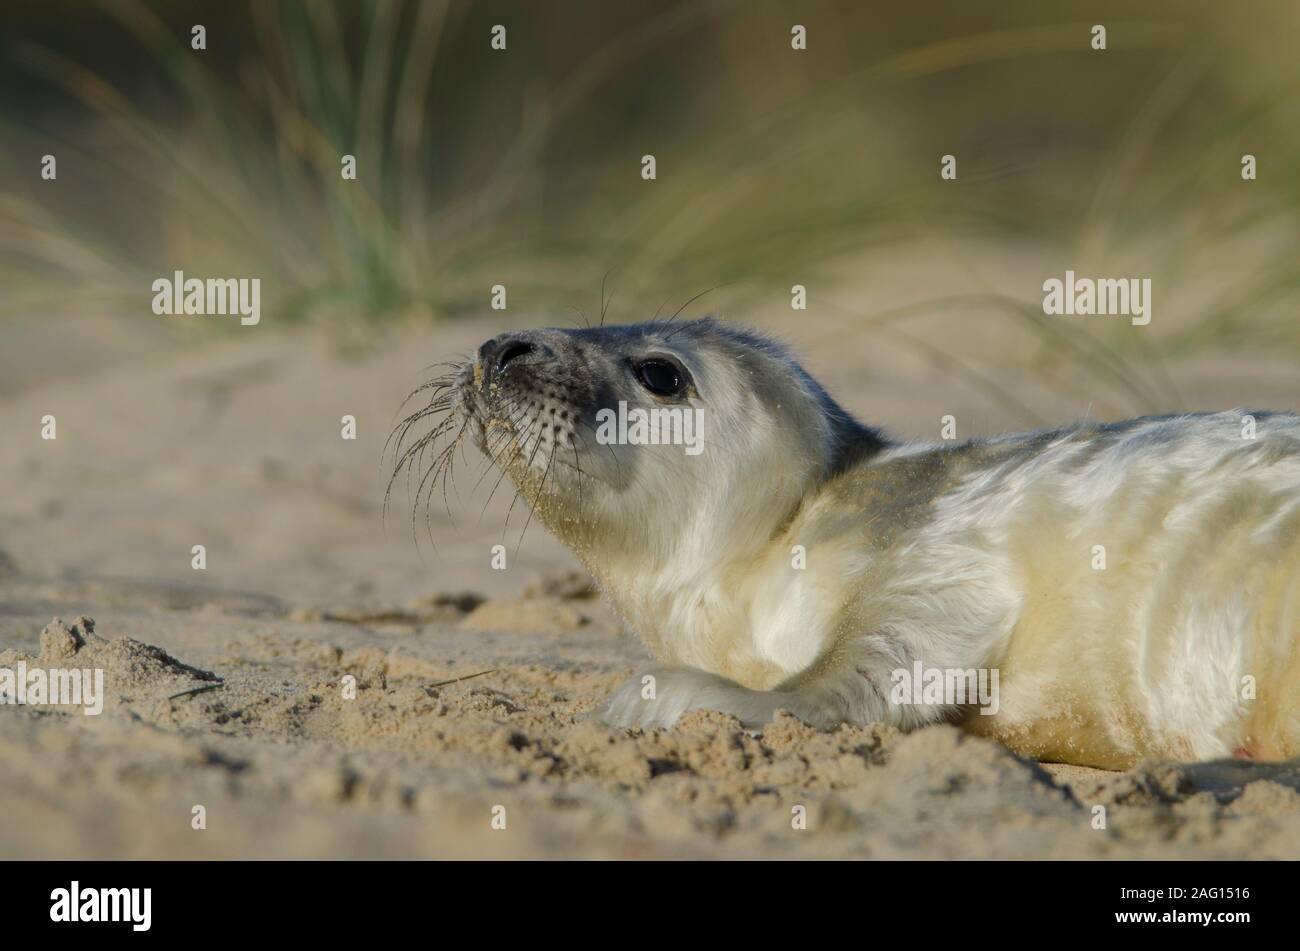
608,427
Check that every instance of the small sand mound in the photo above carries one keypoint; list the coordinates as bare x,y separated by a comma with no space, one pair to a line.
130,667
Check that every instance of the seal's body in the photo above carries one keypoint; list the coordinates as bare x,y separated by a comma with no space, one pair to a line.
1135,586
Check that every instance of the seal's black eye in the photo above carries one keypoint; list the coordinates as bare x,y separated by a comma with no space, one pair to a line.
660,377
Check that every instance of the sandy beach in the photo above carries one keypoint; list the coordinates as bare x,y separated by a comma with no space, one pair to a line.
468,735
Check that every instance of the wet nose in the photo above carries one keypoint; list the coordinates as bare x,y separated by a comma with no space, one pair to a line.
500,351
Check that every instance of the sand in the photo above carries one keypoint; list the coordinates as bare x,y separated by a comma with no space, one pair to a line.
284,764
468,735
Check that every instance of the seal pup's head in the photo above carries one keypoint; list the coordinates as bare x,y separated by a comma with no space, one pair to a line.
653,443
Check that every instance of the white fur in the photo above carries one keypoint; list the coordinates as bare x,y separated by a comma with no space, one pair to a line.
1201,588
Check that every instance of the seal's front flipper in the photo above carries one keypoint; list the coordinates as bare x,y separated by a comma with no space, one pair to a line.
658,696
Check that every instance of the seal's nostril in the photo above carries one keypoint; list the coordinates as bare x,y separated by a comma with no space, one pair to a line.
511,351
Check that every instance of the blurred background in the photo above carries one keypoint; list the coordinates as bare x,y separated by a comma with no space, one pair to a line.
522,167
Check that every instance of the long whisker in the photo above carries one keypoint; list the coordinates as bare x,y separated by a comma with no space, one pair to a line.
413,454
688,304
432,474
523,477
604,305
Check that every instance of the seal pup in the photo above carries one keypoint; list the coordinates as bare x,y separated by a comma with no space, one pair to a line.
1132,587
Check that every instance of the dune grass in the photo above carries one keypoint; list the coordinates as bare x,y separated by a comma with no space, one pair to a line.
478,167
